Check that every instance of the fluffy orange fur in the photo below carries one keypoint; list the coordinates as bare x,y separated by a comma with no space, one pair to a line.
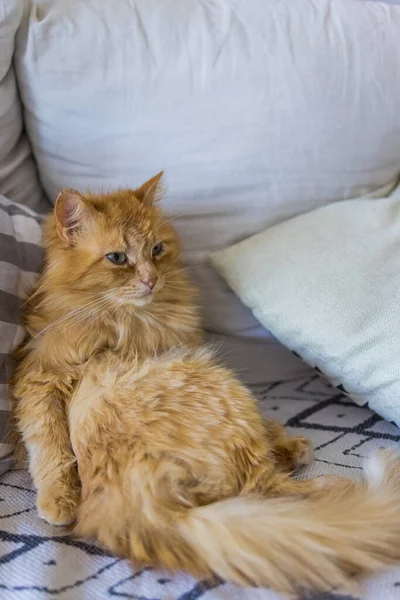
137,435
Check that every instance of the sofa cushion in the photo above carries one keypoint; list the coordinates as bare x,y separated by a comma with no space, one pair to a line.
327,284
18,177
257,110
20,261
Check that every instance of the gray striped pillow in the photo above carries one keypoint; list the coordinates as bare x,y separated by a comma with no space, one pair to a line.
20,261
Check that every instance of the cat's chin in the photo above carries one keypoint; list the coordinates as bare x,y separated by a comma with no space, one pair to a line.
143,301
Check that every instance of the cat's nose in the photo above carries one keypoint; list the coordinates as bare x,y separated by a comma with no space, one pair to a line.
150,281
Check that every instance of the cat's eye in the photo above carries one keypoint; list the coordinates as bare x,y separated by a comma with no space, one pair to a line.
117,258
157,249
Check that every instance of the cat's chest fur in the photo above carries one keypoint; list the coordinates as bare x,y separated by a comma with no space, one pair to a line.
128,332
155,329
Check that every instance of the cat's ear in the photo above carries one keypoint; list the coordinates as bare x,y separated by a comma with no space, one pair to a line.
151,191
71,212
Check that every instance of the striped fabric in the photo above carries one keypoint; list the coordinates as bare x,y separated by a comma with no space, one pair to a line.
20,261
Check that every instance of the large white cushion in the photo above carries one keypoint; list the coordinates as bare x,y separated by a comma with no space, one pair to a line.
18,178
257,110
327,284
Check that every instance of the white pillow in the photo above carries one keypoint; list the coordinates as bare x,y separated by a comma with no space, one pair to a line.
18,177
258,110
327,284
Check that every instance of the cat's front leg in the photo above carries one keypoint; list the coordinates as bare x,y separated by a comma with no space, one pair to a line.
41,419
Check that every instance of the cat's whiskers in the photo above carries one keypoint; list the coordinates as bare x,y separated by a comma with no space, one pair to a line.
179,288
86,315
70,315
97,294
65,317
175,283
166,293
107,305
170,273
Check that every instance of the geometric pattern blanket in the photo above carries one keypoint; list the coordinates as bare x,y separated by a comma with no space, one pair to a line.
40,562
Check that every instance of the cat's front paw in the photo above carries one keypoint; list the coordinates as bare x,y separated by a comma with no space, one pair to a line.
58,505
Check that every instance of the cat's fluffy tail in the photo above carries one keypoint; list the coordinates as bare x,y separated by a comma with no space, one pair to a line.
317,542
294,543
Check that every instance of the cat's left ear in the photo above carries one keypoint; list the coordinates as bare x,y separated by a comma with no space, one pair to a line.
71,212
151,191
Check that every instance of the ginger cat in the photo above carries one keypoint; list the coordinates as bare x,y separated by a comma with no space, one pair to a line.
137,435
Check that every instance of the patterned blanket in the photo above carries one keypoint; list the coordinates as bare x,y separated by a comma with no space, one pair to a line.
38,561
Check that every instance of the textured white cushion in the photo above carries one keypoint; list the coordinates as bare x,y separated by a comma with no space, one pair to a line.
18,178
327,284
257,109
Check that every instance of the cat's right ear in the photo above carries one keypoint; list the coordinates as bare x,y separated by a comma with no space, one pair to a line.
70,212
